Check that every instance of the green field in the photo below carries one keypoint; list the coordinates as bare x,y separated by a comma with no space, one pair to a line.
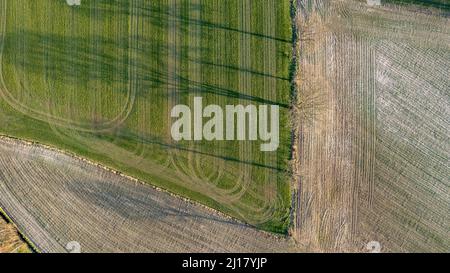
100,80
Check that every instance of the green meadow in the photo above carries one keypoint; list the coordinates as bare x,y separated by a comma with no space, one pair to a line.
100,79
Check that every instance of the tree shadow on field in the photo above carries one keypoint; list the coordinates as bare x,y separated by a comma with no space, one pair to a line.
231,67
198,88
129,135
136,202
79,60
140,60
159,12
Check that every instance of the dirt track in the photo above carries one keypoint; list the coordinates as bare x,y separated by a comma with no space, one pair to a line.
55,199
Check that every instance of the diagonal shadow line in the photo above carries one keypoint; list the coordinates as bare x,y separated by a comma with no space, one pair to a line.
223,27
101,197
239,69
212,89
153,141
189,21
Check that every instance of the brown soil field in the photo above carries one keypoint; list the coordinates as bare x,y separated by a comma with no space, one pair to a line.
372,150
55,199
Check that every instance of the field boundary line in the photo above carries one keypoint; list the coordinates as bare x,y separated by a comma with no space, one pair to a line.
295,130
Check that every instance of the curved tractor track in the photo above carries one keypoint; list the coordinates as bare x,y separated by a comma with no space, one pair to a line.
100,80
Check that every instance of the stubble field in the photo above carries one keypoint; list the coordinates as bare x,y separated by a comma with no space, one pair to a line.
59,201
372,154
